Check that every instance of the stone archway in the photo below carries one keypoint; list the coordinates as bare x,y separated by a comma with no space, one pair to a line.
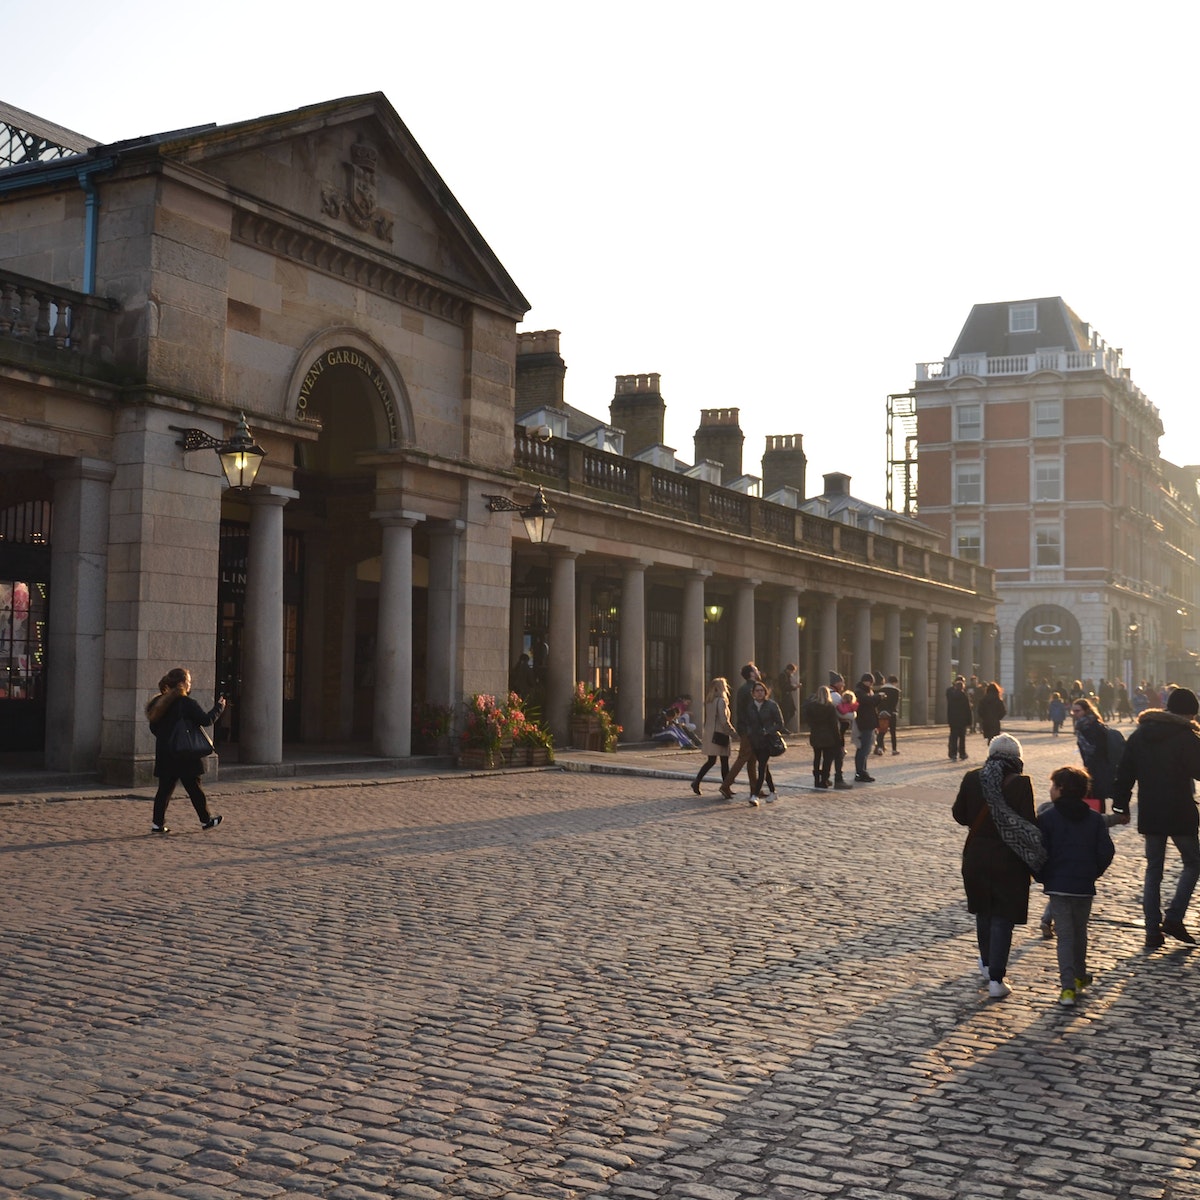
355,364
1048,645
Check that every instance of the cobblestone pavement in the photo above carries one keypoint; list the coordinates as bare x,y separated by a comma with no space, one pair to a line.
560,984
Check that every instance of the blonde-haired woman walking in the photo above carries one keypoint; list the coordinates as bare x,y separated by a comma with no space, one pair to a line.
718,729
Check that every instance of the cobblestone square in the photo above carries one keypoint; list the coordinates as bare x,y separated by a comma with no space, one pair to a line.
566,983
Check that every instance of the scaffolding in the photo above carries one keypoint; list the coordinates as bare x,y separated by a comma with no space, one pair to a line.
902,453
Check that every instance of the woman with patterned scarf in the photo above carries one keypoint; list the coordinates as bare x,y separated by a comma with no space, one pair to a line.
995,802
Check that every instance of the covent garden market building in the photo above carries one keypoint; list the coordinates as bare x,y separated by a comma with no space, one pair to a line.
307,283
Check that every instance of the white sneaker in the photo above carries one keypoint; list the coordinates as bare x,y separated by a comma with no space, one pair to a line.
983,971
754,801
998,989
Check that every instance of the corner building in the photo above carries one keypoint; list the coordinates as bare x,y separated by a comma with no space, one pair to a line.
1039,457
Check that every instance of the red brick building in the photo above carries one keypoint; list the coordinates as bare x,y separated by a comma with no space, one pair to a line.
1039,457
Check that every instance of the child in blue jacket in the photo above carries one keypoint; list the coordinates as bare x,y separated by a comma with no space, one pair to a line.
1058,713
1079,849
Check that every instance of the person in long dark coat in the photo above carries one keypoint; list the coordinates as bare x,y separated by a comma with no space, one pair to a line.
991,711
995,878
164,712
959,717
824,734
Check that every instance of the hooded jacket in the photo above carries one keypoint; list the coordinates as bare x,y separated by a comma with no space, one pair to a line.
1162,756
1079,847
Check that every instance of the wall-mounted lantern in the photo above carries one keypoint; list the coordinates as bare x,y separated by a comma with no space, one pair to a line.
240,457
538,516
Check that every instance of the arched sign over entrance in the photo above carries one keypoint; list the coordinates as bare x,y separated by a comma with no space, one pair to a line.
345,356
1048,645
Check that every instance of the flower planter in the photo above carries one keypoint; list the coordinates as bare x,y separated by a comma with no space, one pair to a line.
586,733
479,760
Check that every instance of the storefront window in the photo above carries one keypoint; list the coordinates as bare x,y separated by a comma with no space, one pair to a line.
22,639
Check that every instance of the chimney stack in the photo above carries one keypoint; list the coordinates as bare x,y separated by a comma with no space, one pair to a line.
784,464
837,483
720,439
637,407
541,371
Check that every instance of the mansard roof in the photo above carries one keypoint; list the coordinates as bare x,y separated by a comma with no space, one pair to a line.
987,329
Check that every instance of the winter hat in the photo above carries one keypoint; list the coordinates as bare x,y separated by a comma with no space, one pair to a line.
1183,702
1003,745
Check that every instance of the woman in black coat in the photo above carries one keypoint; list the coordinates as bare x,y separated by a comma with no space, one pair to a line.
763,719
824,734
1091,736
991,711
164,712
995,878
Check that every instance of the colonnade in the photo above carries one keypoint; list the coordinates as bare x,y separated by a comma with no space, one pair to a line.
570,602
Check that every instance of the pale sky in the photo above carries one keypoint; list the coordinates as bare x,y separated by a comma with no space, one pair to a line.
778,207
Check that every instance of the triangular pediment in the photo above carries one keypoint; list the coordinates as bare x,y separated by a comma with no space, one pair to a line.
352,168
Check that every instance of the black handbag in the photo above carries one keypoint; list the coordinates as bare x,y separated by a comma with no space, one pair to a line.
721,739
776,745
189,740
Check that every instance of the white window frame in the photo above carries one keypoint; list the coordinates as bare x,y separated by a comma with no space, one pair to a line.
1044,427
968,431
1041,465
974,531
1041,531
960,469
1022,318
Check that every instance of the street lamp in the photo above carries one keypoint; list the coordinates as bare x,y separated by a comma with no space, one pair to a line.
1133,671
713,613
240,457
538,516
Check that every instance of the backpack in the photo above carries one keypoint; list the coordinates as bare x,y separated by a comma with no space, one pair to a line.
1114,745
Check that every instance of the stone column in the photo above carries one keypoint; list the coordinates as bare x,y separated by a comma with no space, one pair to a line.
516,628
560,670
862,640
631,681
443,610
691,641
583,626
743,624
789,631
313,635
966,649
260,736
393,636
987,653
945,670
828,653
891,642
919,703
78,571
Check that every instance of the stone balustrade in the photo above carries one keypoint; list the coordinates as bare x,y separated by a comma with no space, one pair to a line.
46,318
590,474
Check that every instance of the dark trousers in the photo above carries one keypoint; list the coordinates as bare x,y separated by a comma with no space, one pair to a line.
712,759
958,741
994,937
191,785
764,773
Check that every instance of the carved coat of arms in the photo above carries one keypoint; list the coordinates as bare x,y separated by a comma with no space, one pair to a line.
358,203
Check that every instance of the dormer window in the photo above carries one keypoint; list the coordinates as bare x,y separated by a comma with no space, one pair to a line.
1022,318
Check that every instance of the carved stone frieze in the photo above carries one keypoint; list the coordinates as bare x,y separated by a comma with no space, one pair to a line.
311,250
